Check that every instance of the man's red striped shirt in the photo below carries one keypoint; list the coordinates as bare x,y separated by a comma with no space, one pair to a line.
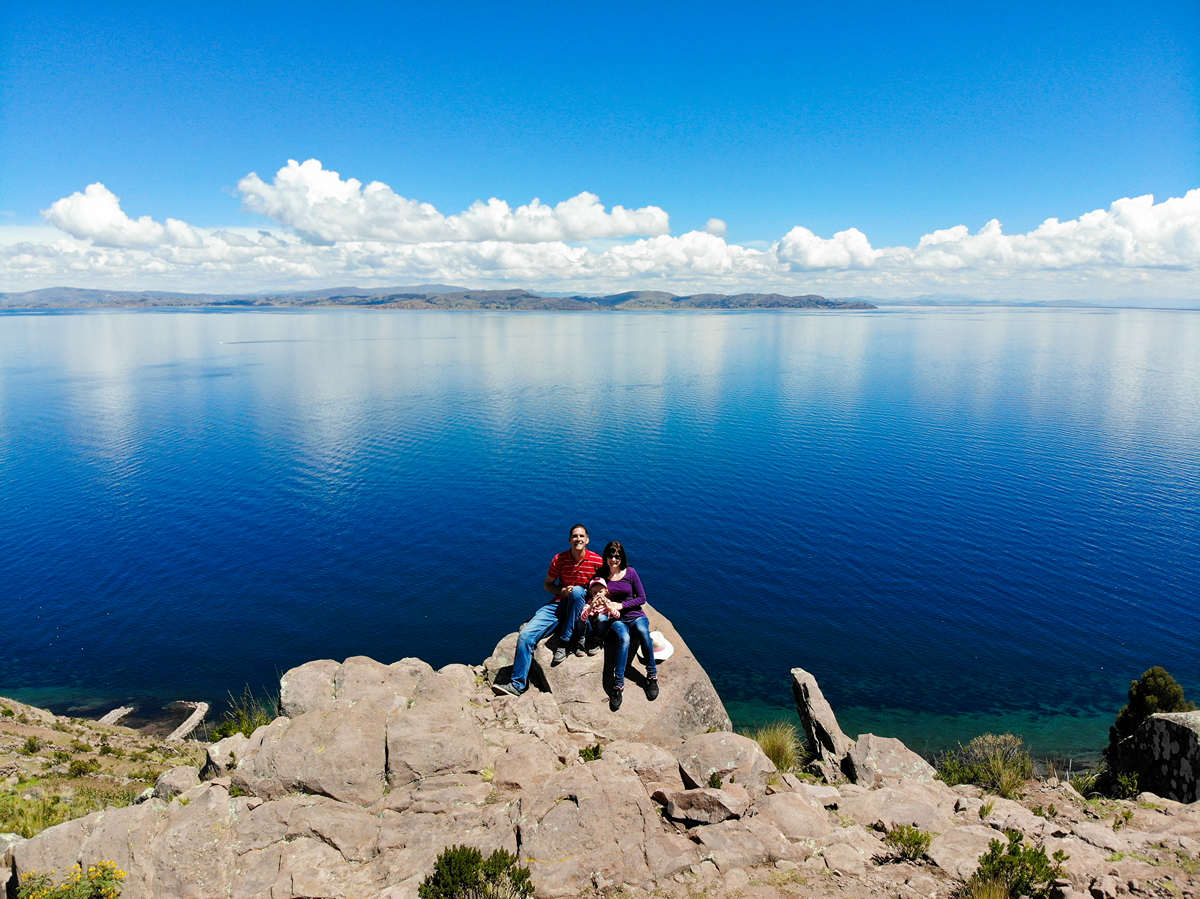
570,573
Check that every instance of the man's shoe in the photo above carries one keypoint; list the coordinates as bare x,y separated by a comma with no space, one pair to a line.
505,690
652,689
577,649
592,648
560,655
614,699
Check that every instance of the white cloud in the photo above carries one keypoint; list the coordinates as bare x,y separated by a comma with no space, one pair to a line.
319,204
96,215
337,231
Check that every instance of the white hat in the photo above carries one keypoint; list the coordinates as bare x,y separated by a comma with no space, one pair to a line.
663,649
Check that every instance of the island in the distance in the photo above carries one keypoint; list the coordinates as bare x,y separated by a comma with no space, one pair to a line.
423,296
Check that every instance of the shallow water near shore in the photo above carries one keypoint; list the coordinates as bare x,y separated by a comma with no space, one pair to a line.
958,519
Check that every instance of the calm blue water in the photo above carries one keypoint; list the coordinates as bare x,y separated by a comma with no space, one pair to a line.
960,520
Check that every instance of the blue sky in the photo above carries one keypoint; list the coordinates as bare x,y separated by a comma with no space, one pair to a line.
895,121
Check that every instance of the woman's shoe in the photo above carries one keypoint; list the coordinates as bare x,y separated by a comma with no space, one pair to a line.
652,689
614,699
592,648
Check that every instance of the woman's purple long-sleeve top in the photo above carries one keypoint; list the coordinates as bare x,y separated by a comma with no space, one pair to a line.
629,593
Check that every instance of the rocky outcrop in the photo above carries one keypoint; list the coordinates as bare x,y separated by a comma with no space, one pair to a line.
1164,752
374,769
821,729
688,703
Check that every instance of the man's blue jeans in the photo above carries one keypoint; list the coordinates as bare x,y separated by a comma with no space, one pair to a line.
562,615
620,629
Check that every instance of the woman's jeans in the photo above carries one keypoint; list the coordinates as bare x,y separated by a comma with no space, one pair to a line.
620,629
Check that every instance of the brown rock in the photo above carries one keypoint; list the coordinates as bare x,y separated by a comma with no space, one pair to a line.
731,757
957,850
796,816
433,739
820,724
874,761
336,751
525,764
705,805
175,780
652,764
584,820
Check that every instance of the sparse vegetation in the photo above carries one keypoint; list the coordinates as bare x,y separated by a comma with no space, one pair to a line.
781,744
591,753
986,807
997,762
31,746
461,872
100,881
1014,870
714,780
907,842
245,714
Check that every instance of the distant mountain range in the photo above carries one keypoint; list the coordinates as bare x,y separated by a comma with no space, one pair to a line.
422,296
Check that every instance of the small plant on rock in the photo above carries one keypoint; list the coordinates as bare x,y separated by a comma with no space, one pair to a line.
31,746
908,843
781,744
997,762
715,781
100,881
461,872
245,714
82,767
1017,869
591,753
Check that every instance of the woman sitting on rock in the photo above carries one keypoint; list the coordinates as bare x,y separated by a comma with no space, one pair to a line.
624,605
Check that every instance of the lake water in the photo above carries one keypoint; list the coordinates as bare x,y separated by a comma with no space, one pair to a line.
959,519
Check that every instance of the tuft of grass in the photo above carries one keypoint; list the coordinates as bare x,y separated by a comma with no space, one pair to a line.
245,714
591,753
714,780
781,744
985,888
28,817
997,762
908,842
31,746
5,712
986,808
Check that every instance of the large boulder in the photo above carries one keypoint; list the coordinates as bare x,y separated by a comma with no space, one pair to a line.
874,761
1164,752
821,727
585,822
687,704
706,759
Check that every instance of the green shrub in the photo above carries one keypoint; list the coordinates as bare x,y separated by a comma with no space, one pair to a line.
908,842
5,712
1155,691
80,746
781,744
996,762
82,767
714,780
245,714
1018,869
100,881
31,745
591,753
461,872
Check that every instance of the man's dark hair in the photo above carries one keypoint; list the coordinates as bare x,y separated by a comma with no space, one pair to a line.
614,546
572,531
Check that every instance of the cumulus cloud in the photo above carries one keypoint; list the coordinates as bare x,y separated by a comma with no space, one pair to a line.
323,207
340,231
96,215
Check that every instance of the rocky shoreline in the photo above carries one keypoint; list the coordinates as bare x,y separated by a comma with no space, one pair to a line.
372,770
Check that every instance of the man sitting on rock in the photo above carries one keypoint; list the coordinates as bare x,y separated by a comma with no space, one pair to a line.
569,573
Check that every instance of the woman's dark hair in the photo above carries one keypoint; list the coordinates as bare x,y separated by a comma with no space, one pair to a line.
613,547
